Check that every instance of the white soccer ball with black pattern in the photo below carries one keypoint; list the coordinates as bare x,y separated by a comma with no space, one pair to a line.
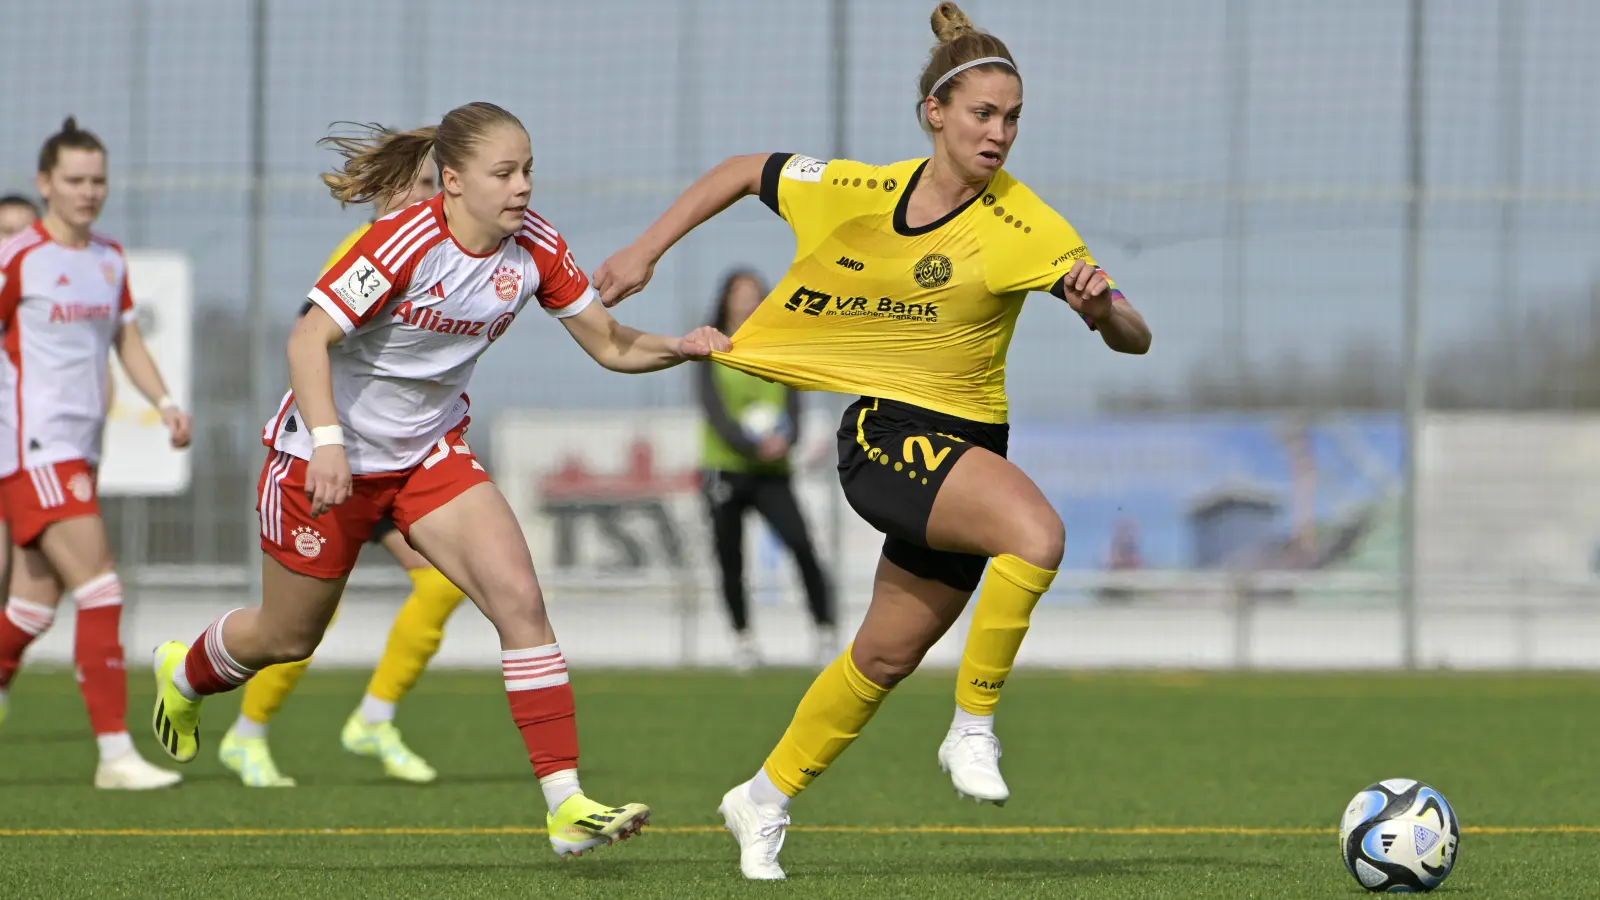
1399,836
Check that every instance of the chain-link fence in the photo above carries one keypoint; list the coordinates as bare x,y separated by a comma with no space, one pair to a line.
1275,182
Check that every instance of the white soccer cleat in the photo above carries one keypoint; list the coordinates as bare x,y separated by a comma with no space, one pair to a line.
746,653
130,772
972,757
828,646
759,831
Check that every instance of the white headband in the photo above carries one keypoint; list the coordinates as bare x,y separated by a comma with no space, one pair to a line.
957,71
965,66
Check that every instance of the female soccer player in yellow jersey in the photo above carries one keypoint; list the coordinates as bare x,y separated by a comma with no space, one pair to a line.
413,638
905,287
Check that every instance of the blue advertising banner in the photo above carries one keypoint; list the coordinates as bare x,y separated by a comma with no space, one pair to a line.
1222,492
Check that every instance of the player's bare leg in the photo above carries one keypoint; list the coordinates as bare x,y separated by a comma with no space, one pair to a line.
476,542
988,507
294,613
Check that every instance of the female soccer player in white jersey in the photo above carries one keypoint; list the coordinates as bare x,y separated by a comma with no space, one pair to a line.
17,214
374,426
64,304
414,637
905,288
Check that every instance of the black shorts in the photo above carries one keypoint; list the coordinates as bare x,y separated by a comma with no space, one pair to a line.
381,529
893,458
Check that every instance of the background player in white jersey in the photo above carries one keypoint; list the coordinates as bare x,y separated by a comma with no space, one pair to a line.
374,426
16,213
64,303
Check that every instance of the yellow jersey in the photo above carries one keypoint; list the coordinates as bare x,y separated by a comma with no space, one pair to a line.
344,246
872,306
338,254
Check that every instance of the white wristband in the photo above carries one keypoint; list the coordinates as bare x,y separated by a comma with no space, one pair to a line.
324,435
166,402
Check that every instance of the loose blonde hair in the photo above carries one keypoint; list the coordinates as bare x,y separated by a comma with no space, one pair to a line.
960,42
381,163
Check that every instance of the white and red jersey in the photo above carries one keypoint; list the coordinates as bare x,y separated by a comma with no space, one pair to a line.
60,308
418,311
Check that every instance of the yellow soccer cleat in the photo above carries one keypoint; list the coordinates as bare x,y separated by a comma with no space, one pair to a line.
177,718
581,825
383,742
251,759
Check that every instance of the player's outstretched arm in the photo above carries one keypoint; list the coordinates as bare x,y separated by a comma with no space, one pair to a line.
628,270
311,379
1124,329
1091,295
622,349
146,376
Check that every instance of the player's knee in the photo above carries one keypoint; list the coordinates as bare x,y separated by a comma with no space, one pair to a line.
886,665
515,603
292,645
1040,539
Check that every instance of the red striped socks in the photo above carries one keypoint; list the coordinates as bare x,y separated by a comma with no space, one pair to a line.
542,706
23,621
208,669
97,650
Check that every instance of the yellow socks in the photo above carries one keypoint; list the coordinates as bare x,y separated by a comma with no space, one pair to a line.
999,622
415,635
830,716
413,640
265,693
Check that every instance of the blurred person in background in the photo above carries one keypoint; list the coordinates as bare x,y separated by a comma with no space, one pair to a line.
16,213
905,288
64,304
751,426
375,425
414,637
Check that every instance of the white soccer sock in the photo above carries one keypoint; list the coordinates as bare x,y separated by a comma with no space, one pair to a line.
180,680
375,711
114,745
765,793
965,720
247,728
558,786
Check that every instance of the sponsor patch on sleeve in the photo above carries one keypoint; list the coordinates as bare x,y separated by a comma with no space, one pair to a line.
361,286
803,168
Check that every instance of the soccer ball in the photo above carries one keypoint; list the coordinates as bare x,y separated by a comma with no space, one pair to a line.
1399,836
762,420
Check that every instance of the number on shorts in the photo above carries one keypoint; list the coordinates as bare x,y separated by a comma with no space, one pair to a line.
930,460
443,449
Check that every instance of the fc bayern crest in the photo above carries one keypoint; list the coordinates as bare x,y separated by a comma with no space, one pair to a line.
81,487
308,541
507,283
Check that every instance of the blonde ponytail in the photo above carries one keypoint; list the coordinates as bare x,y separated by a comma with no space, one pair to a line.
379,164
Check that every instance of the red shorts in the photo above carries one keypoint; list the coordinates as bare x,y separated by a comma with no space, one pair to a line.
35,498
328,547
